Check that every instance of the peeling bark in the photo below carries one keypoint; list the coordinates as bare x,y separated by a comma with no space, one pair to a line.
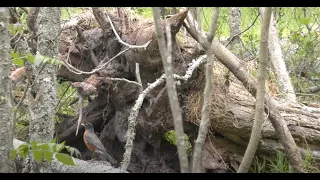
6,120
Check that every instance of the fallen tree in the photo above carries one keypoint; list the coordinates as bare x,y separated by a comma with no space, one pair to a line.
114,65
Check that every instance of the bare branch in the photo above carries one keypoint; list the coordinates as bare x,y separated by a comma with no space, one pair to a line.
77,71
205,121
122,42
166,54
130,135
138,76
259,111
214,24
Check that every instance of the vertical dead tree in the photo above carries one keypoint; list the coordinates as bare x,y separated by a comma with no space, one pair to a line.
42,104
259,111
166,55
235,65
235,29
278,63
207,97
6,121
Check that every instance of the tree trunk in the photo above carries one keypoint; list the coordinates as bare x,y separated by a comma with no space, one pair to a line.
42,106
6,121
235,30
278,63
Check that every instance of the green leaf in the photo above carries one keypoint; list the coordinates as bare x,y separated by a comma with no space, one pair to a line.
23,150
65,159
12,29
30,58
68,149
44,146
38,59
54,140
18,62
13,154
51,145
37,154
14,55
305,21
48,155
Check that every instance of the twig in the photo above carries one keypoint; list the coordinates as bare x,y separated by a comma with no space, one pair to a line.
23,96
166,54
254,21
138,77
76,71
122,42
63,95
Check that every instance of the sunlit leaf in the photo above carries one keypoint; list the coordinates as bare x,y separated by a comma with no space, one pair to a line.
18,62
48,155
30,58
37,154
13,154
305,21
65,159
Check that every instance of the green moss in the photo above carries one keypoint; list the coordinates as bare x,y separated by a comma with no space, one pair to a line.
170,136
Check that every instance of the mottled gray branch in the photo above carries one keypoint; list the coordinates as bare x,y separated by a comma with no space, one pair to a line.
138,77
6,121
166,54
259,110
205,113
214,24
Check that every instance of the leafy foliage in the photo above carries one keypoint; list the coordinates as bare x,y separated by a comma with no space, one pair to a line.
280,164
46,151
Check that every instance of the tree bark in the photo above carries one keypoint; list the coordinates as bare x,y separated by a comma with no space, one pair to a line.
42,106
6,120
235,29
166,55
282,75
261,89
